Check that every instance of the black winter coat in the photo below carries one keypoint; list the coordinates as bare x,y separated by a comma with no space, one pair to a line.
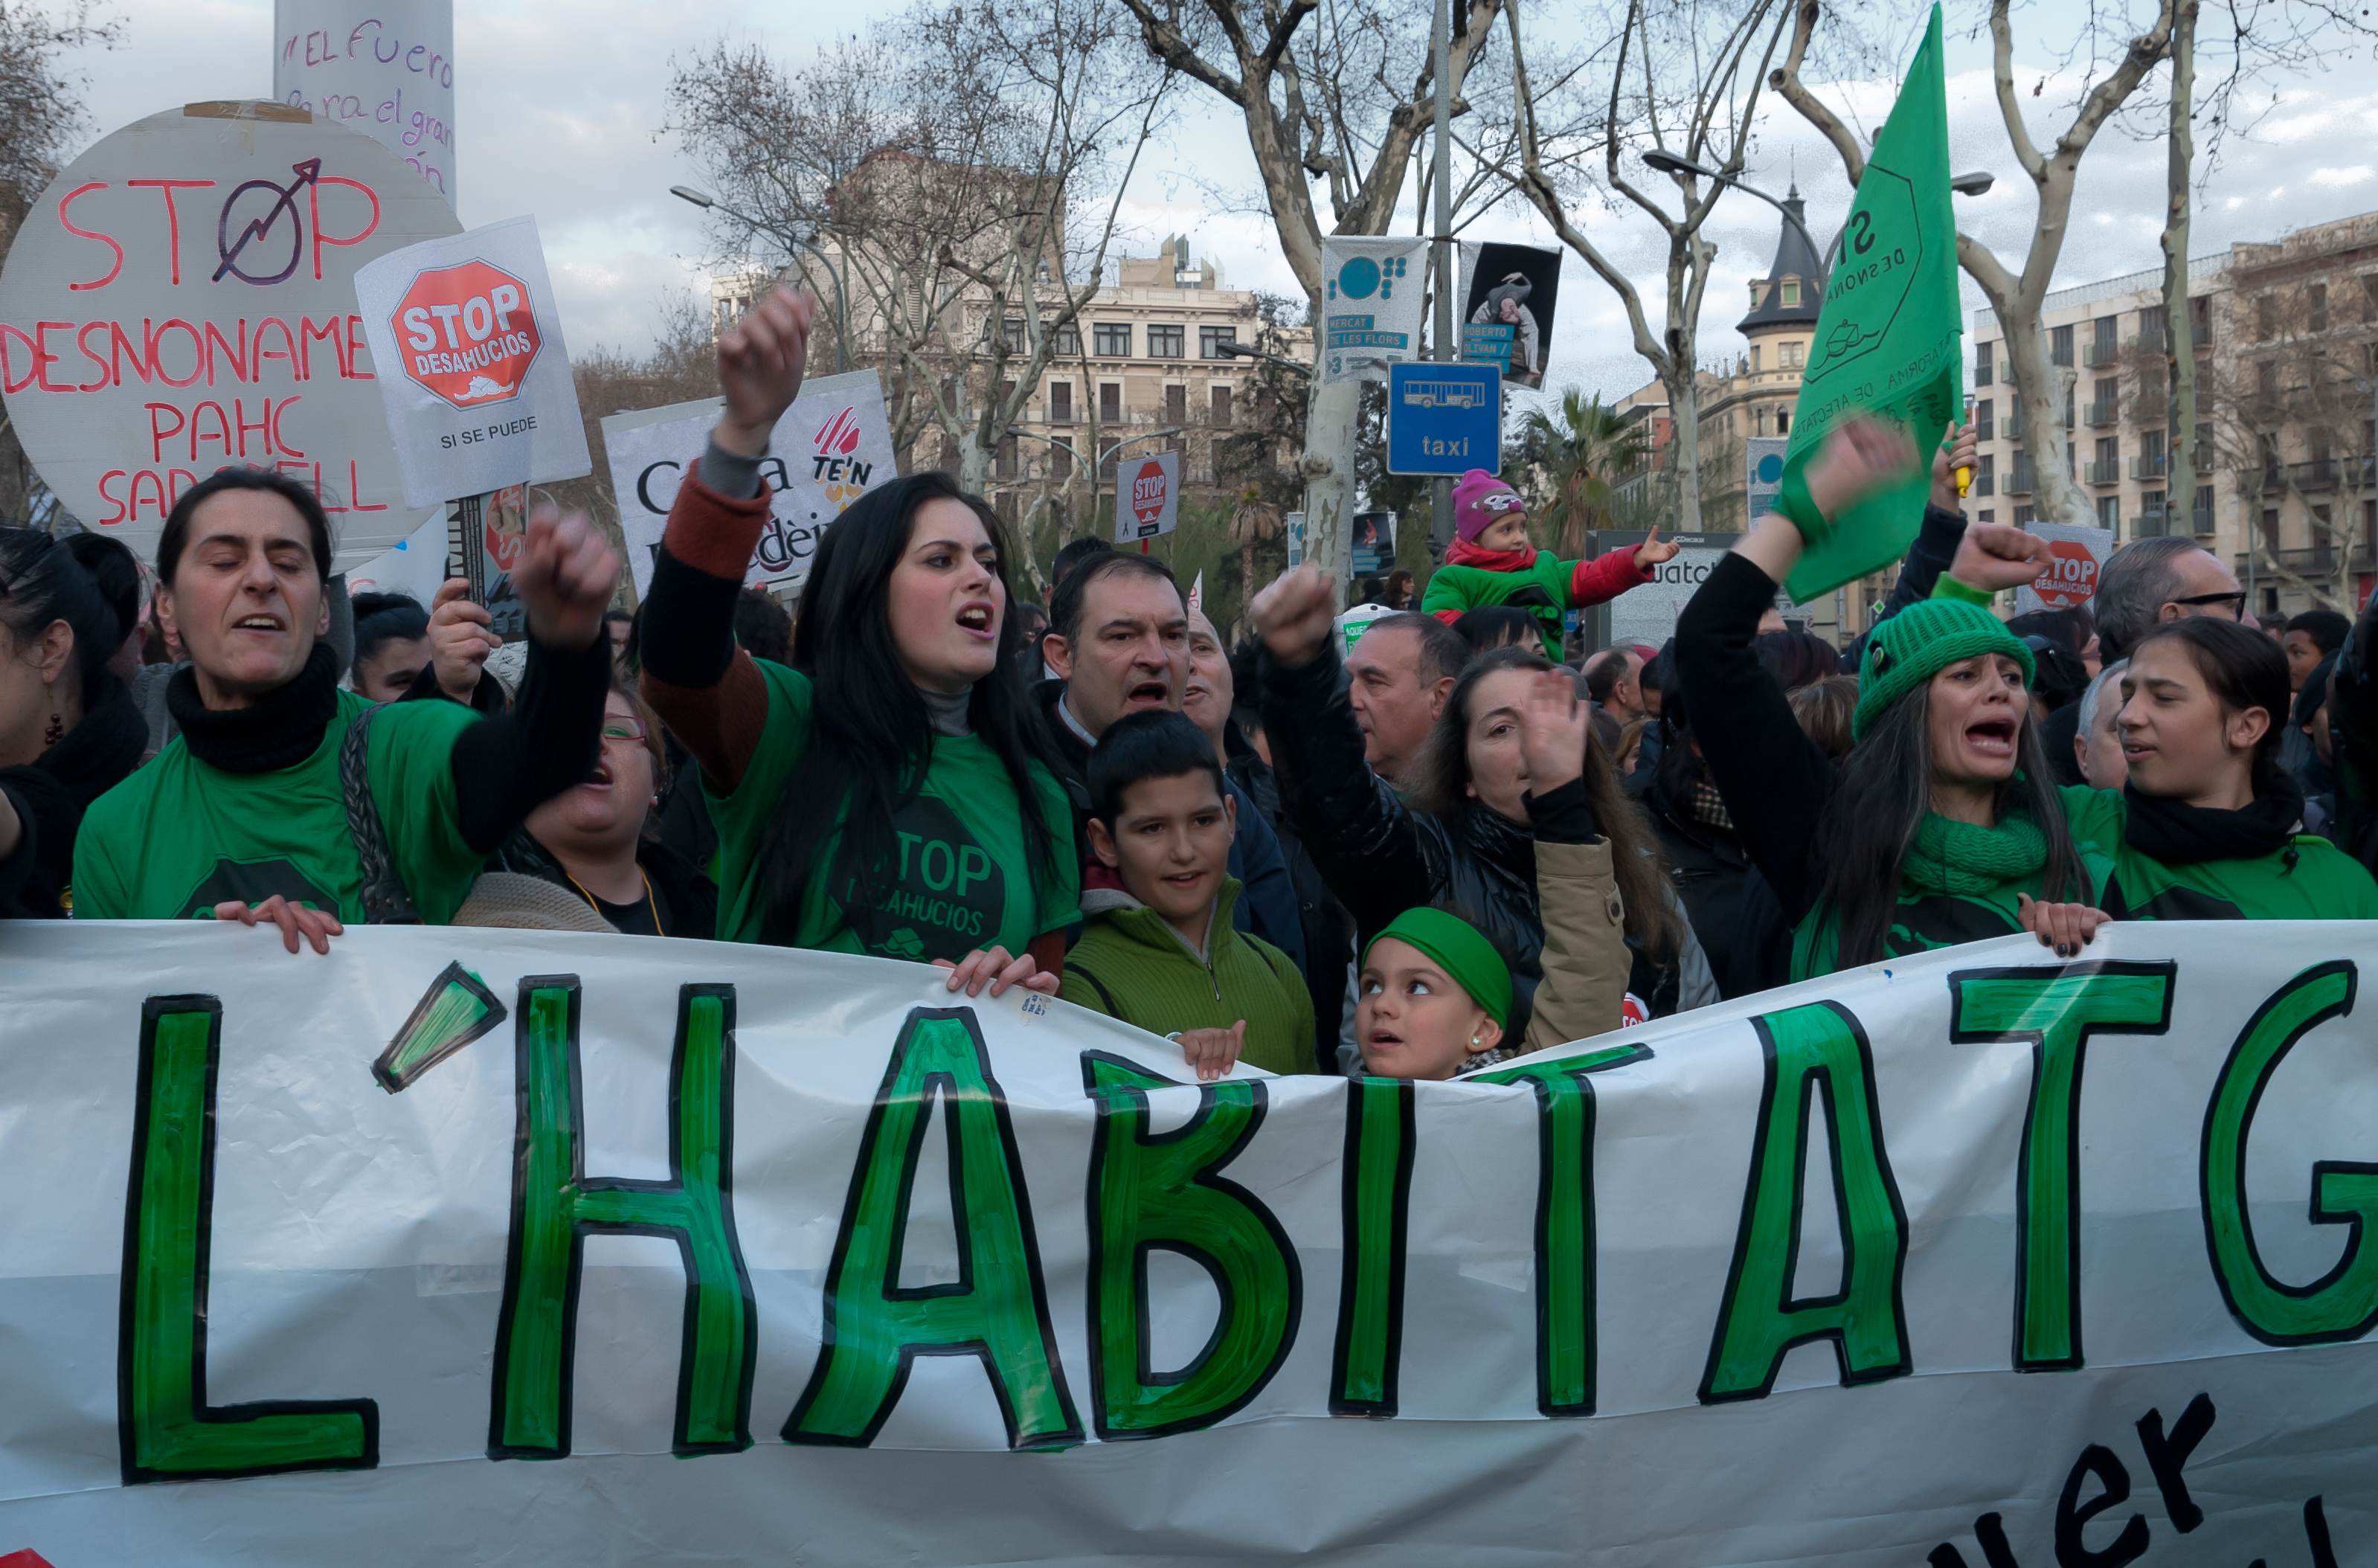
52,793
1328,929
1380,856
1713,874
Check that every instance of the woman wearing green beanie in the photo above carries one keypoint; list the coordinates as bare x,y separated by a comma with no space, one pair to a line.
1941,825
2209,825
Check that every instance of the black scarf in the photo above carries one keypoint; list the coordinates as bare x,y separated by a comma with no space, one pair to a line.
280,730
2177,834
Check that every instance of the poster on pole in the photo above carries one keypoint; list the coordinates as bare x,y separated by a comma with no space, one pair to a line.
182,299
384,67
561,1247
1373,295
1507,296
477,386
1762,472
1148,497
832,447
2075,555
1375,542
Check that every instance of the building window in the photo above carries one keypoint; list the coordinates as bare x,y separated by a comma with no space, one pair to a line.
1211,339
2151,523
2107,469
2267,319
2152,337
1790,290
2026,516
1176,405
1754,359
1111,402
1791,356
2105,340
1061,458
2060,345
1783,422
2266,381
1061,402
2199,511
2369,296
1016,341
1984,421
1004,505
1989,516
2316,307
1112,340
2109,513
1004,461
2151,454
2269,538
1986,477
2200,321
1983,354
1222,396
1069,339
1164,342
2068,407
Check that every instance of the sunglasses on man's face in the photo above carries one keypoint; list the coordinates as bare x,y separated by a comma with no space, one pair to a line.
2236,600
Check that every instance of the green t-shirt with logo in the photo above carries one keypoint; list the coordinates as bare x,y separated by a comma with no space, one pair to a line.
180,836
961,880
2318,882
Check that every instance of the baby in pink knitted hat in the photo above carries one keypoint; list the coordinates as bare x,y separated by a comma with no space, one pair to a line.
1492,563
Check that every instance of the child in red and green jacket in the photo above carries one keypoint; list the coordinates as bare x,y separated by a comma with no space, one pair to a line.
1492,563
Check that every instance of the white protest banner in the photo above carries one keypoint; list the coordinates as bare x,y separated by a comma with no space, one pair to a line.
182,299
415,565
775,1255
477,386
384,67
1372,291
831,447
2076,555
1148,497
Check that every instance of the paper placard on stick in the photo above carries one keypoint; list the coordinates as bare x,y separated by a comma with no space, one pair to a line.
474,374
832,447
2076,555
182,299
415,565
1148,497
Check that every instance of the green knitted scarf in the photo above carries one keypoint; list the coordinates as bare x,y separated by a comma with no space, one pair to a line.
1957,857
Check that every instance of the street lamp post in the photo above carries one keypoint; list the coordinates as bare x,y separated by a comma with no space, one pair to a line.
707,202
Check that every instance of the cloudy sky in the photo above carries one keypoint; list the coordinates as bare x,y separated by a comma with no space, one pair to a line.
559,108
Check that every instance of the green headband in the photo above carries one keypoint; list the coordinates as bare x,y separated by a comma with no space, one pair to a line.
1460,951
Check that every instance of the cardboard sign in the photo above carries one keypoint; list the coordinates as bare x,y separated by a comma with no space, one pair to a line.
2077,554
1147,501
1373,291
476,384
182,299
384,67
832,447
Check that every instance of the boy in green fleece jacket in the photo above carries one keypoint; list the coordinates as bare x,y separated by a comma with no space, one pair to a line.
1159,951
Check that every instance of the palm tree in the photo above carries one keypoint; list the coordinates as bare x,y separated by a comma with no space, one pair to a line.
1584,451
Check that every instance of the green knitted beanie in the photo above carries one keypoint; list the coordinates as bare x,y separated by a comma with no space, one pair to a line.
1918,643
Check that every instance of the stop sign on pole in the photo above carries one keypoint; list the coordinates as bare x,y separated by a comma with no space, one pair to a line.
1149,498
474,371
469,334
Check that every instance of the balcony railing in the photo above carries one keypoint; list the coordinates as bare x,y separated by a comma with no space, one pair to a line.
2149,525
2020,481
2151,408
2101,472
1984,485
2147,467
2318,473
2102,412
2098,354
2320,560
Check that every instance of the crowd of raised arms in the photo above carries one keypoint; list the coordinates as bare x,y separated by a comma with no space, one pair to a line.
1410,854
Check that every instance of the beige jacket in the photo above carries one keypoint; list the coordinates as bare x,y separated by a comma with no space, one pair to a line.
1585,960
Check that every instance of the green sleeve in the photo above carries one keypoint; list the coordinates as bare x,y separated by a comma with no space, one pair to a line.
1948,587
410,770
1060,886
98,886
1073,988
742,817
1445,591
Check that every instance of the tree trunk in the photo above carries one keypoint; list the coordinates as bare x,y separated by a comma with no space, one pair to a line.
1683,385
2179,338
1328,468
2039,388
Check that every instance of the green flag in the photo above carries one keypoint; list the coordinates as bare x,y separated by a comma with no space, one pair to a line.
1887,340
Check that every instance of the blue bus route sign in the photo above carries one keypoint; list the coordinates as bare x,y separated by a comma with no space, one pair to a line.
1444,418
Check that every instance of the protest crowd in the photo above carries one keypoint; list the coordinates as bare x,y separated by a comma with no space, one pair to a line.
1410,855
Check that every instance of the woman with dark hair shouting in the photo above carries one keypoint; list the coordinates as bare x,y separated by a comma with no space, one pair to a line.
285,799
878,796
68,729
2210,825
1943,824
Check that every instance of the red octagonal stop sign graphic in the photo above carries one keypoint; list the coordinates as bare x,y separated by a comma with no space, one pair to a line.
2071,575
469,332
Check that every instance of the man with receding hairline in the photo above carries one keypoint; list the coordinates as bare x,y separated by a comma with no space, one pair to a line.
1399,674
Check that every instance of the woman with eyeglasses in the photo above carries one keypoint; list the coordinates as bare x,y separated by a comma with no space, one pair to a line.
594,840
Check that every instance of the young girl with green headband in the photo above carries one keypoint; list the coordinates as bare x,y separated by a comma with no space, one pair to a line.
1942,825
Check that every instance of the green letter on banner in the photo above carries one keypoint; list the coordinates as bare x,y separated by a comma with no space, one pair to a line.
166,1428
1818,1049
556,1204
1377,1183
2342,1303
998,1308
1161,1192
2055,1010
1565,1249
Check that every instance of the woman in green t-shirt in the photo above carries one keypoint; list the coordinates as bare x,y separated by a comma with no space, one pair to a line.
879,796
